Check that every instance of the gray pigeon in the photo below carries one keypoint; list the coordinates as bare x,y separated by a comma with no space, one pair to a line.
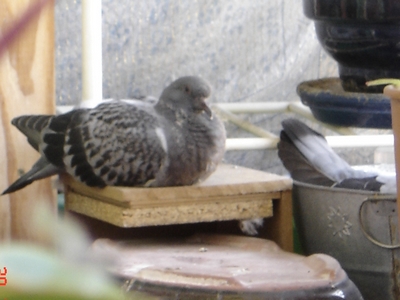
176,141
306,154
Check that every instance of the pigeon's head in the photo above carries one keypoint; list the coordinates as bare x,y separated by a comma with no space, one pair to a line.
188,93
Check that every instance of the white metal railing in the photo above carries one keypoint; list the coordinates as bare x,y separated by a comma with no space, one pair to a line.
267,140
92,67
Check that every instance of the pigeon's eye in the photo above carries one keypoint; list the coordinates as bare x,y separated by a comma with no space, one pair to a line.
187,89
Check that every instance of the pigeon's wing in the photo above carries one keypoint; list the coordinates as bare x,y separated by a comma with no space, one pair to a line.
314,147
301,170
308,157
298,166
115,144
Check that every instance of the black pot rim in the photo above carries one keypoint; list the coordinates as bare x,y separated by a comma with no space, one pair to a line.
353,10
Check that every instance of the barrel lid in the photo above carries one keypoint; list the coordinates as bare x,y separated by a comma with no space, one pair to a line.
220,262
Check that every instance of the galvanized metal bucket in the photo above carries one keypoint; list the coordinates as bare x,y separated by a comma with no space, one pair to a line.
358,228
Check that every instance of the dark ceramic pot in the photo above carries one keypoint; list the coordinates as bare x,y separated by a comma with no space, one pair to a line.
329,103
363,36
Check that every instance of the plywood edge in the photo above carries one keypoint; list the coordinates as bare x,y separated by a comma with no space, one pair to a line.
180,213
108,194
228,180
155,197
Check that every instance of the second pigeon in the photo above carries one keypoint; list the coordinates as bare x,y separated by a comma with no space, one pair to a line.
306,154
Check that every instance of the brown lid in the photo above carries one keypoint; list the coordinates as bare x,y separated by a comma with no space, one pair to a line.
220,262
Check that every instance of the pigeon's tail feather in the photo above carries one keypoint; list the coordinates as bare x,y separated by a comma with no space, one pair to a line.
41,169
296,146
31,126
314,147
367,183
298,166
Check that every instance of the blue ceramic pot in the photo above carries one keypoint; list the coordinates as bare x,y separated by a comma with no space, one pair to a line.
363,36
329,103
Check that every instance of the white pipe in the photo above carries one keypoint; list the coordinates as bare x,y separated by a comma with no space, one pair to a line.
250,144
254,107
92,69
357,141
257,131
348,141
300,109
278,107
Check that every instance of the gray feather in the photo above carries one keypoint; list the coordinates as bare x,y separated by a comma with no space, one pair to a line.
31,126
41,169
175,141
306,154
318,153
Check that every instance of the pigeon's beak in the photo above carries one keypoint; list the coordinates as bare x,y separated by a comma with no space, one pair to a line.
206,108
208,111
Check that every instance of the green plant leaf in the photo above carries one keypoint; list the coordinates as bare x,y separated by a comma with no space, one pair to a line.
384,81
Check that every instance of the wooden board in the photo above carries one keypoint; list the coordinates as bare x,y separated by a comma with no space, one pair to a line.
230,193
26,87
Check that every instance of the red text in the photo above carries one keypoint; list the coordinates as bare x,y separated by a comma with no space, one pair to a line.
3,278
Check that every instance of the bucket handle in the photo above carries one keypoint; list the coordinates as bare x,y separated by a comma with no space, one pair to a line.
360,218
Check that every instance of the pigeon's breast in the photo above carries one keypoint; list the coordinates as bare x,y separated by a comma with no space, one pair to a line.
195,148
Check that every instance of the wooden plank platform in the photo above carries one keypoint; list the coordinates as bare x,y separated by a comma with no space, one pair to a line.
230,193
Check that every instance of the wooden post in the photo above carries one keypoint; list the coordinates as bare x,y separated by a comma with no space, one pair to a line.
279,228
393,92
26,87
